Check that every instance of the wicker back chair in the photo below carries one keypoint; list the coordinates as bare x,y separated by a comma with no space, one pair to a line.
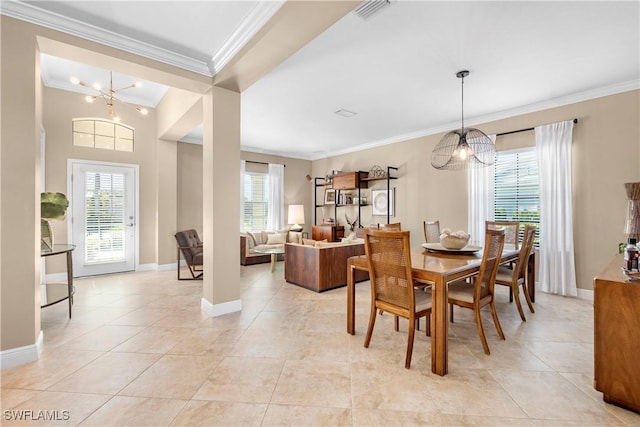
431,231
190,246
516,277
511,232
396,226
481,292
392,285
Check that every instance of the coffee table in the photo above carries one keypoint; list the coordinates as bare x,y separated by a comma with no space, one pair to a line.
274,252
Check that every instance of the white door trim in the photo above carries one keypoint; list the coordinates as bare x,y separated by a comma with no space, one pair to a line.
70,164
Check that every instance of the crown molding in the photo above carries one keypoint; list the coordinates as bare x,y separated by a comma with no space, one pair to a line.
500,115
26,12
251,24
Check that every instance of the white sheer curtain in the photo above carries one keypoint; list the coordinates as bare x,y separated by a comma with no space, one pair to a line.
243,168
557,267
480,183
275,221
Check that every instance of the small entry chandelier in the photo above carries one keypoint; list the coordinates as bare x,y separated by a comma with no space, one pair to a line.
465,147
109,96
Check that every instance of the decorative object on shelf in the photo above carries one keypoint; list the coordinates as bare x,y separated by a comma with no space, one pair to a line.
463,148
329,196
350,223
377,172
109,96
52,206
296,217
632,222
381,200
328,179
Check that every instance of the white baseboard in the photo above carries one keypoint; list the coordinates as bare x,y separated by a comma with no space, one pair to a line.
56,277
220,309
585,294
22,355
152,266
171,266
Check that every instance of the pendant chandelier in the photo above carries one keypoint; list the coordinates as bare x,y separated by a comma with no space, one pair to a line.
463,148
109,96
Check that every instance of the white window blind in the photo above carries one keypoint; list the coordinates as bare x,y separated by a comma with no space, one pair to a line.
517,193
105,205
256,203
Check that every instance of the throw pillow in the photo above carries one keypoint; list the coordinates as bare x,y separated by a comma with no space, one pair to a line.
277,238
251,239
295,237
308,242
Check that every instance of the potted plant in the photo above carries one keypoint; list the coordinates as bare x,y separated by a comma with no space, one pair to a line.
52,206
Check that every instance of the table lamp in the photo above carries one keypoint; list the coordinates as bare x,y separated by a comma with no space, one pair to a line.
632,222
296,217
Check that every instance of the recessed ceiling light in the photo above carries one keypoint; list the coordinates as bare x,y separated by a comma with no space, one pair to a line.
345,113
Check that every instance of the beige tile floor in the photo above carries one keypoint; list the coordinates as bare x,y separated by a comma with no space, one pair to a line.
138,351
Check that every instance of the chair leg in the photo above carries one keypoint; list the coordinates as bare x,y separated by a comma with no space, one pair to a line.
372,322
516,295
527,298
483,338
428,325
496,321
451,313
510,294
410,335
396,325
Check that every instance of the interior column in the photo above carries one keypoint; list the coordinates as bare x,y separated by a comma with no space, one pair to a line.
221,201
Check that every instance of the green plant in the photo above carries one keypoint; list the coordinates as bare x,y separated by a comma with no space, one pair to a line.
53,205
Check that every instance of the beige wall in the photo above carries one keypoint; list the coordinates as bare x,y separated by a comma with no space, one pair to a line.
296,187
60,107
606,154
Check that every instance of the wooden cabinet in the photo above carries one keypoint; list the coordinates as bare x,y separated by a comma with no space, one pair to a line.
332,233
350,180
617,336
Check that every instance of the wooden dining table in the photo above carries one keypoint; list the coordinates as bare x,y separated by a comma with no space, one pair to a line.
438,269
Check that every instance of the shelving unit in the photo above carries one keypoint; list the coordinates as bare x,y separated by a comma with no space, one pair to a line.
349,181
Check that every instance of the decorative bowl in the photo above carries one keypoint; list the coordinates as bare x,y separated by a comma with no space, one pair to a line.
454,242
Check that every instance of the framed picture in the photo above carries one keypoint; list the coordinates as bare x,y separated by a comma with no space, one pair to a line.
330,196
379,199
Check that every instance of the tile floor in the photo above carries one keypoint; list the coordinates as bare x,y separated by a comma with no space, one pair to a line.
138,351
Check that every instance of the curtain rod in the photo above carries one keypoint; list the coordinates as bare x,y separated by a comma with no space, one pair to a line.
523,130
261,163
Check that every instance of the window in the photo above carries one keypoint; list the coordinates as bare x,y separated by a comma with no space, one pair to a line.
256,203
100,133
517,195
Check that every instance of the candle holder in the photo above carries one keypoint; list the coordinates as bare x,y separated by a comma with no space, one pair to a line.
632,222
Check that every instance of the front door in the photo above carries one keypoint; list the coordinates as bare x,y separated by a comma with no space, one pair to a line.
103,217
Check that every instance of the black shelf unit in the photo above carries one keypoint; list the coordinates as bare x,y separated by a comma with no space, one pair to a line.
320,182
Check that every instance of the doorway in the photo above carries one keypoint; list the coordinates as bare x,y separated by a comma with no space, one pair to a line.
104,217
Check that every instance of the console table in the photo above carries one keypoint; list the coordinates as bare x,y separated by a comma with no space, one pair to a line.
616,306
56,297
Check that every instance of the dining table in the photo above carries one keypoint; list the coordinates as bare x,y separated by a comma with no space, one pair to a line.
437,269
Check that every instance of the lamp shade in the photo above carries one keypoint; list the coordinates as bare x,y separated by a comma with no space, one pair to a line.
296,216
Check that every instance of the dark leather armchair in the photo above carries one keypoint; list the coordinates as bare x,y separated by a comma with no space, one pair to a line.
190,246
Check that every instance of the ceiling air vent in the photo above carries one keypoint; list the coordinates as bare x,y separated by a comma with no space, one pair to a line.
370,7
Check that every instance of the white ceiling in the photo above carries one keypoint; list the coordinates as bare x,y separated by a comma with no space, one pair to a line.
396,70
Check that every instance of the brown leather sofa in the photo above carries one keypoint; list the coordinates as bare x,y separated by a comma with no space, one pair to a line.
321,268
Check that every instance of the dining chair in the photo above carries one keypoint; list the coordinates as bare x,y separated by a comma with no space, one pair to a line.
392,285
481,292
431,231
396,226
511,232
516,277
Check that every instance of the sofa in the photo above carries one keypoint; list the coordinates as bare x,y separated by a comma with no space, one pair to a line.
320,266
249,242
